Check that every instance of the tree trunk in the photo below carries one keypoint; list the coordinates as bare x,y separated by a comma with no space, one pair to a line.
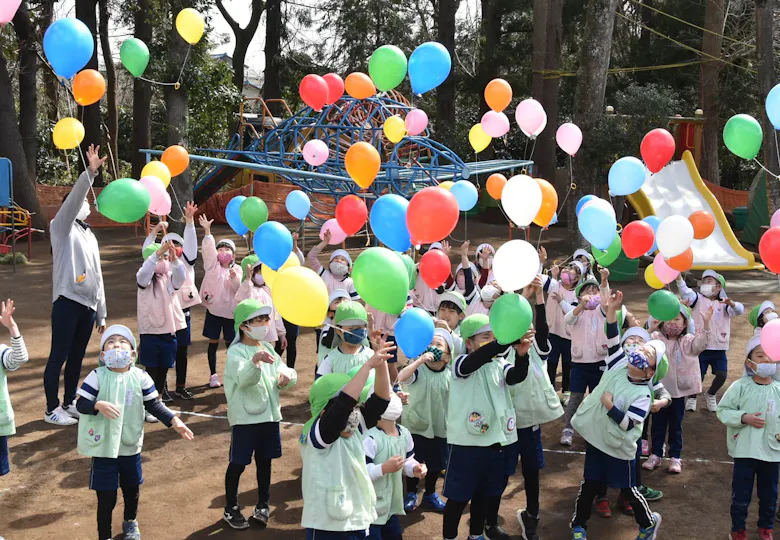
714,15
112,120
445,93
49,79
647,17
142,94
86,11
490,38
243,38
28,94
273,37
766,80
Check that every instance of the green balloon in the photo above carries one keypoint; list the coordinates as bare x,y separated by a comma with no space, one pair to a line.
743,136
253,212
381,280
135,56
411,268
663,305
605,258
387,67
124,200
510,318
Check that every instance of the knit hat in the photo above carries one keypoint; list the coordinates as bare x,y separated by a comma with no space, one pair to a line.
455,297
757,311
351,314
227,243
117,330
326,388
638,332
474,324
588,281
660,349
754,342
173,237
337,293
343,253
246,310
446,336
248,263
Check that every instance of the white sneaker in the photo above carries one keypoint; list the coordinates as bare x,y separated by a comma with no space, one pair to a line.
59,417
690,404
566,436
712,403
214,381
150,418
72,411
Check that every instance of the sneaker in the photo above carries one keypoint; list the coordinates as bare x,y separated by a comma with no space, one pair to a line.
602,508
765,534
690,404
651,533
72,411
738,535
214,381
578,533
234,518
410,502
166,397
566,436
625,506
712,403
150,419
496,533
566,398
261,515
675,465
434,502
645,447
131,530
59,417
183,393
528,525
651,494
652,462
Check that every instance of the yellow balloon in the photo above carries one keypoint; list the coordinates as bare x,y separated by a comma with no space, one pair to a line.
300,296
159,170
190,25
652,279
395,129
270,275
68,134
447,184
478,138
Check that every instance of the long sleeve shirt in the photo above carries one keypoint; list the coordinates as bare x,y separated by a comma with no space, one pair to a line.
14,356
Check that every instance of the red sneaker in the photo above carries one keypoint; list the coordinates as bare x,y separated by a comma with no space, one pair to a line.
764,534
625,506
739,535
602,508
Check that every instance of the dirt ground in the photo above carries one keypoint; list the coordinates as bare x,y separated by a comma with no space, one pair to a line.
47,496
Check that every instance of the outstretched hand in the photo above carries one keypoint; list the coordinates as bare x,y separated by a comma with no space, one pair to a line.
205,223
189,212
94,160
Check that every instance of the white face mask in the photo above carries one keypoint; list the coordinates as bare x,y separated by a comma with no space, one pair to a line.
338,269
707,289
257,333
83,212
118,358
259,280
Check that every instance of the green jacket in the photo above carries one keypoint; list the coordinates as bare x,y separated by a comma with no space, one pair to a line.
745,396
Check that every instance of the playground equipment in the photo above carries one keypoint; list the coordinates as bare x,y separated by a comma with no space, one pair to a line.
15,221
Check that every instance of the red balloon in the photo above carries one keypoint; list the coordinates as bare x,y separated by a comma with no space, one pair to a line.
314,91
351,214
435,268
657,149
769,249
432,215
335,89
638,238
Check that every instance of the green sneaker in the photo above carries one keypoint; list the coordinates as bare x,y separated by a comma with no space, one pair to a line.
651,494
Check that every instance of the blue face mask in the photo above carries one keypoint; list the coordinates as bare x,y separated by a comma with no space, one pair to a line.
353,337
638,360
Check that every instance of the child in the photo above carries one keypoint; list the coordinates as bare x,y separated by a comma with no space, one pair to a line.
712,293
586,260
255,287
336,276
11,359
450,313
427,381
254,374
351,323
112,401
760,315
748,409
220,284
385,323
328,338
389,450
484,262
465,276
482,304
610,420
422,295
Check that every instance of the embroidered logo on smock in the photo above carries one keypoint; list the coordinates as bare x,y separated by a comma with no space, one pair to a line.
510,425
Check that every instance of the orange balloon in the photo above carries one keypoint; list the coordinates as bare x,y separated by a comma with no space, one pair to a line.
363,163
549,203
498,94
88,87
176,159
682,262
359,85
495,185
703,224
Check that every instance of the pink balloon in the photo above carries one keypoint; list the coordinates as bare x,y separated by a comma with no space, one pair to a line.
530,116
8,9
770,339
495,124
337,235
315,152
160,204
569,138
663,271
775,219
416,122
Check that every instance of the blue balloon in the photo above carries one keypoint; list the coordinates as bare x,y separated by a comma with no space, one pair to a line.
233,215
554,219
388,221
597,225
68,45
582,202
414,332
466,195
654,222
773,106
626,176
298,204
429,66
273,244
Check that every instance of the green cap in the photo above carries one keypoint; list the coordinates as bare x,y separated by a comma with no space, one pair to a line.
247,263
455,297
148,250
247,310
324,389
589,281
351,313
474,324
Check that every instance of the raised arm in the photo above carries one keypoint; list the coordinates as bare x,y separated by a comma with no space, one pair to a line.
16,355
686,293
67,213
209,247
190,247
465,365
312,259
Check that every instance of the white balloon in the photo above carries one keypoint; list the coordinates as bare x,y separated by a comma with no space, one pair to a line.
521,199
515,265
674,236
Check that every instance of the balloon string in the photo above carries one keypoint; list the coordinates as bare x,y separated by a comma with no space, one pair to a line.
177,201
184,65
777,148
533,148
150,81
773,175
571,183
83,160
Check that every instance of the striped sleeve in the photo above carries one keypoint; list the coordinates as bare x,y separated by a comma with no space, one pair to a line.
615,357
16,355
90,387
315,438
147,387
456,366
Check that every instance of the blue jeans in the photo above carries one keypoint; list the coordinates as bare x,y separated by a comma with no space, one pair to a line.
766,474
561,348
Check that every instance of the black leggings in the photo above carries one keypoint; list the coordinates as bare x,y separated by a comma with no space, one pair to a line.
181,366
718,382
292,343
158,375
454,510
212,355
106,505
588,491
233,475
430,483
531,479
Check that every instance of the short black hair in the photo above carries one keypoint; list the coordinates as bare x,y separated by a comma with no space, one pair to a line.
450,305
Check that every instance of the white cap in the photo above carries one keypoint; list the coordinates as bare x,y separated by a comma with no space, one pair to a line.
394,409
435,245
117,330
488,292
446,336
175,238
227,242
337,293
343,253
637,331
754,342
660,349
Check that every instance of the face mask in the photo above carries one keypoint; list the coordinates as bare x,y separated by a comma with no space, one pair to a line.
353,337
352,422
338,269
161,267
567,279
673,329
770,317
593,303
257,333
118,358
765,370
638,360
179,251
461,281
84,212
225,257
634,347
259,280
707,290
435,352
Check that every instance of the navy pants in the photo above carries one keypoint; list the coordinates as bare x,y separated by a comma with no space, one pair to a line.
561,348
766,474
292,344
669,419
71,328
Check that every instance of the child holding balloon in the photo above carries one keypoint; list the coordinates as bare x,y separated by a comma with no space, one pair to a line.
255,287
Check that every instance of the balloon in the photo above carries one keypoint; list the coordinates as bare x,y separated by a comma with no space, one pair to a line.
769,249
314,91
297,204
387,67
674,235
582,202
773,106
597,224
626,176
270,275
775,219
335,88
69,45
651,279
663,271
743,136
663,305
190,24
703,224
638,239
498,94
159,200
657,149
435,268
530,115
68,134
351,214
495,124
654,222
363,163
395,129
381,280
8,9
534,134
432,215
416,121
447,184
569,138
337,236
414,332
429,66
478,138
606,258
176,159
411,268
158,169
233,215
315,152
124,201
135,56
300,296
359,85
554,219
495,185
253,213
466,194
388,214
770,339
515,265
549,203
521,199
510,318
273,244
88,87
682,262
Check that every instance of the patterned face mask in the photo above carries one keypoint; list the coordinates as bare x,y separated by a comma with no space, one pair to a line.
638,360
352,422
118,358
435,352
632,348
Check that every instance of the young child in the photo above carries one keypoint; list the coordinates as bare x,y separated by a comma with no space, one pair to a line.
712,293
255,287
385,324
390,450
422,295
586,260
336,276
254,374
220,284
482,303
484,262
464,277
112,401
351,321
427,381
760,315
450,313
328,337
11,359
749,411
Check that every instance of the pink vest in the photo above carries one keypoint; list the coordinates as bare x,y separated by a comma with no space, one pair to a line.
424,297
188,294
250,290
588,340
720,324
217,289
684,376
159,310
477,307
555,314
